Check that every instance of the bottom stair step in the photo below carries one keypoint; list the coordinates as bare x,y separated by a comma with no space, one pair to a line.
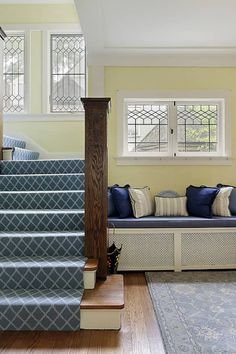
101,307
43,310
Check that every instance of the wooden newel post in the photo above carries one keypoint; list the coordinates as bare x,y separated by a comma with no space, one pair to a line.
96,110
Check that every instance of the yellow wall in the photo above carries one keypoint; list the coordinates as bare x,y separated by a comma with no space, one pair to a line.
46,13
154,78
52,137
69,136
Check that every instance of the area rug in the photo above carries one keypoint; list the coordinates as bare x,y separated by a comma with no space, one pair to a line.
196,311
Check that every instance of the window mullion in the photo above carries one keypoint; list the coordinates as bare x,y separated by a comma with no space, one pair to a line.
172,129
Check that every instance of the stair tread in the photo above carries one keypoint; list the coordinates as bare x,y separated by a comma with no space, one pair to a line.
43,192
107,294
91,265
43,174
40,233
42,211
42,261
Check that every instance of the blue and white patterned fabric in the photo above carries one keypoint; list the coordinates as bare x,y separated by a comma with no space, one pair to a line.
41,272
8,141
40,310
42,182
42,167
41,244
24,154
41,220
42,200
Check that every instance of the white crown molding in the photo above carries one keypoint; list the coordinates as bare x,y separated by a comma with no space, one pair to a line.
180,57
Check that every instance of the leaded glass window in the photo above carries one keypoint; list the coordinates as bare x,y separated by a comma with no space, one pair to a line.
68,72
197,127
173,128
147,127
13,73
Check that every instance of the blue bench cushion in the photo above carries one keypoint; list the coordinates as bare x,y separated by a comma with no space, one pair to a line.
172,222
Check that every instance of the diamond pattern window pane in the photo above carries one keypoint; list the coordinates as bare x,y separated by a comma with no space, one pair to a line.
147,127
197,128
68,72
13,74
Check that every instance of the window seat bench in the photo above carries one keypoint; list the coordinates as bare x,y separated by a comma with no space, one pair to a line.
174,243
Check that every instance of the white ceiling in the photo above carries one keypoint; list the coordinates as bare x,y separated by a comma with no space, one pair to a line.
159,32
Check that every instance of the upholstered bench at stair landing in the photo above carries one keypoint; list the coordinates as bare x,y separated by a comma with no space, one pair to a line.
174,243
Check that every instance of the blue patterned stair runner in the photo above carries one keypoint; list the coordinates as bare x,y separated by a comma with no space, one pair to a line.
20,152
42,200
24,154
41,244
9,141
44,182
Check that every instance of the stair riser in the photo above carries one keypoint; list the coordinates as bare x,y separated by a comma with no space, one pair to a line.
52,311
23,154
38,277
20,246
42,167
56,200
42,222
42,182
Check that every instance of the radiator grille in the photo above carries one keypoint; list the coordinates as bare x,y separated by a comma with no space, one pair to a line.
145,251
208,249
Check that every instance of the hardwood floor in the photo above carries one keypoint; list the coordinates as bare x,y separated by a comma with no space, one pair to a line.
139,333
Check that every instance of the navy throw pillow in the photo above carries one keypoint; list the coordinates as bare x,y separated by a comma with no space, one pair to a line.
232,198
111,209
200,200
122,201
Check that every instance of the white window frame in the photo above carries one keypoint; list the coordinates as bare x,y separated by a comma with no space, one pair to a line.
27,66
47,76
172,157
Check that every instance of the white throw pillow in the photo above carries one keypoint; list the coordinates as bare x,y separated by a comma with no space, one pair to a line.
171,206
220,206
142,201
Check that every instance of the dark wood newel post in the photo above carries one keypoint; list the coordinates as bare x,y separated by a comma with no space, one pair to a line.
96,110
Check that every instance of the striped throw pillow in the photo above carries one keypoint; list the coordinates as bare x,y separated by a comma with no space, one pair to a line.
171,206
142,201
220,206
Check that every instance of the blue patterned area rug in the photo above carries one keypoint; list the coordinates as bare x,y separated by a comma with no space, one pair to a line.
196,311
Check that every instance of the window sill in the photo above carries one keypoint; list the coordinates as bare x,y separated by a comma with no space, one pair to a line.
178,160
50,117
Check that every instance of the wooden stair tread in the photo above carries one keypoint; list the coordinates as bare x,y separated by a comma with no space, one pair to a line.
108,294
91,265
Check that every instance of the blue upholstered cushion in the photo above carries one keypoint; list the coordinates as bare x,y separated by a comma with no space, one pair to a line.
122,201
200,200
111,210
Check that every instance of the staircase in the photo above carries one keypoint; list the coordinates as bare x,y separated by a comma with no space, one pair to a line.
19,149
43,271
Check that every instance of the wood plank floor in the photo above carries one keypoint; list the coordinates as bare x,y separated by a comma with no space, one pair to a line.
139,333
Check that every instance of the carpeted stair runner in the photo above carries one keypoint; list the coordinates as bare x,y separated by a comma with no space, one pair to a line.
19,149
41,244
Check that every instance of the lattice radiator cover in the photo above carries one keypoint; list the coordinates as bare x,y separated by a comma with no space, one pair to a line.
144,250
175,249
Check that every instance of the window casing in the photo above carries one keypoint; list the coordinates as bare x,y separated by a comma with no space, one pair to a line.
67,72
173,127
14,73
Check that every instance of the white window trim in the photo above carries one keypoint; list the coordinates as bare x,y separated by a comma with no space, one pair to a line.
125,158
46,72
27,66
